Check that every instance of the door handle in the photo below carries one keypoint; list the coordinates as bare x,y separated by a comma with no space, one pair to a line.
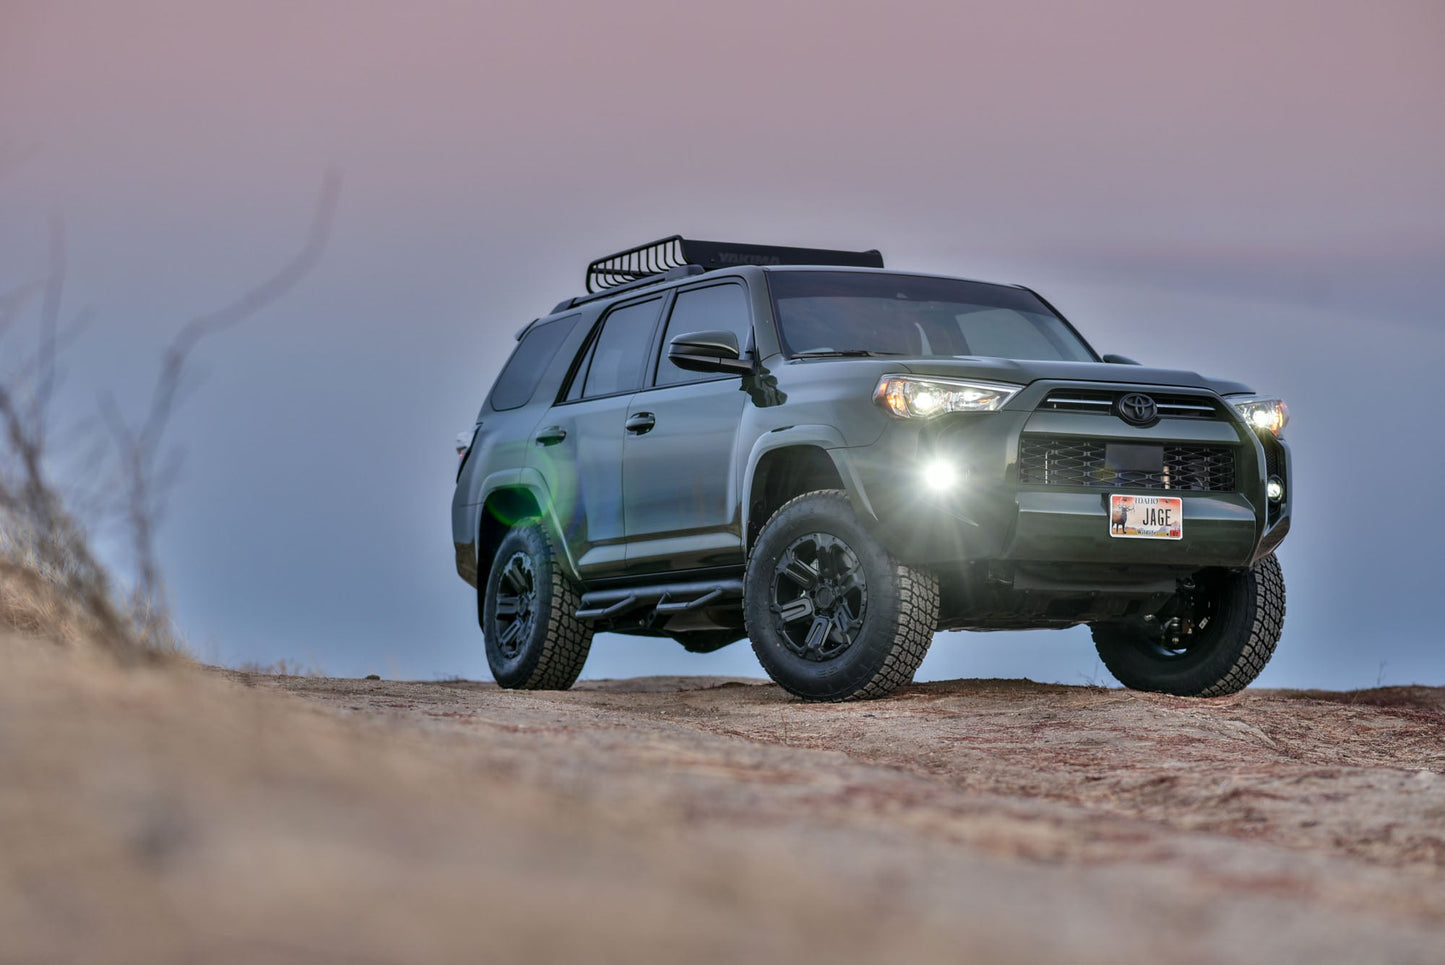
550,436
639,423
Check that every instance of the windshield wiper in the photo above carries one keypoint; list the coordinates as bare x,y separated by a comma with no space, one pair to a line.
814,353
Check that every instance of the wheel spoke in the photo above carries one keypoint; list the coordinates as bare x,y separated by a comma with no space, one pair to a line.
819,596
804,575
508,606
827,559
515,576
795,610
511,631
817,633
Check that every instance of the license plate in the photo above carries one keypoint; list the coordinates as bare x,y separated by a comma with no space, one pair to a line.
1146,517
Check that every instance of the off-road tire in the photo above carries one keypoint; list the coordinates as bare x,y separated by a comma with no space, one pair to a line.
898,619
1231,651
548,652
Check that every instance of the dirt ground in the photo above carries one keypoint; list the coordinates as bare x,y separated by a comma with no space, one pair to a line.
191,814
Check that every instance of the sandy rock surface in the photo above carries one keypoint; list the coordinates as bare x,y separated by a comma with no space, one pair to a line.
176,815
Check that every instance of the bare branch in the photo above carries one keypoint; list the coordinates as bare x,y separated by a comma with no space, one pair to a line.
140,448
253,301
40,532
49,325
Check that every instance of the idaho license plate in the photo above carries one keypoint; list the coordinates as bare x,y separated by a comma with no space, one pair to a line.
1146,517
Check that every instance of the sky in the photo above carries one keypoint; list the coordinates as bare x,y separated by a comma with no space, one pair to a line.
1250,190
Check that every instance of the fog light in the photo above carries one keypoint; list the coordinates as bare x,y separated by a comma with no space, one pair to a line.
941,475
1274,489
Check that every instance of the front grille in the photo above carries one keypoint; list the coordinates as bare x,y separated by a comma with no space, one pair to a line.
1171,406
1050,461
1079,400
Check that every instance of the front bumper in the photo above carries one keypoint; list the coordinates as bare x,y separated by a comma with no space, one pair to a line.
989,515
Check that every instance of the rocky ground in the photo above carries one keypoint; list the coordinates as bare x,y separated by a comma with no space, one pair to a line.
174,814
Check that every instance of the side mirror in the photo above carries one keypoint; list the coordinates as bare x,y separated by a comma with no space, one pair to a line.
1120,359
708,352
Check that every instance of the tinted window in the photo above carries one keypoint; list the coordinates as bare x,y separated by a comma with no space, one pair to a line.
621,350
916,316
1006,334
529,360
717,308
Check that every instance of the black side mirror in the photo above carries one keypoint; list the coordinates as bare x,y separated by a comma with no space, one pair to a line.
708,352
1120,359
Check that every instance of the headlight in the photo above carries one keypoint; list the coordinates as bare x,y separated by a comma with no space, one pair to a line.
916,398
1271,414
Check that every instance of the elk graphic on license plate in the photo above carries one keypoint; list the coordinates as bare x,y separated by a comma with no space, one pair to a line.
1146,517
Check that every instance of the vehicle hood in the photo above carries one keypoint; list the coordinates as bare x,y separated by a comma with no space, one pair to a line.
1022,372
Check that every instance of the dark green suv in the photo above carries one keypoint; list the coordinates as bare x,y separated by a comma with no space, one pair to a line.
836,461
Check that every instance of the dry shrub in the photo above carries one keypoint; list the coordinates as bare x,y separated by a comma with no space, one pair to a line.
36,607
52,583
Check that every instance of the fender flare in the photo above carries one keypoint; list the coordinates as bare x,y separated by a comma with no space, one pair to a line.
824,437
532,482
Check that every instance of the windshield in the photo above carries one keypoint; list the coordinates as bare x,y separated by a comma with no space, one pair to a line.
858,313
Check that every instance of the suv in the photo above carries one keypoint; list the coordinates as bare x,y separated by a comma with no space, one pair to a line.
793,445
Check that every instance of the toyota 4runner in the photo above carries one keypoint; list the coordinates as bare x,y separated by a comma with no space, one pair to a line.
836,461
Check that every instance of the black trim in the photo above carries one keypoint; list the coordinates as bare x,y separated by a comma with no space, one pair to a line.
666,255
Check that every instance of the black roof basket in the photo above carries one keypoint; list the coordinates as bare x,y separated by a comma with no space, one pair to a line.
659,257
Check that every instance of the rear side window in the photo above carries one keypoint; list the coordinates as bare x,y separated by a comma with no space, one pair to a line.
620,351
524,369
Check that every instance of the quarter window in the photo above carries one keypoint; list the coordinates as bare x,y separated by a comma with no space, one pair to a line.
529,360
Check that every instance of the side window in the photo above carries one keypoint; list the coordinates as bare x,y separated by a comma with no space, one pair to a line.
519,378
712,309
619,353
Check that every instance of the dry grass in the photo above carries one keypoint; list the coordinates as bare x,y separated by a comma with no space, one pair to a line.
42,608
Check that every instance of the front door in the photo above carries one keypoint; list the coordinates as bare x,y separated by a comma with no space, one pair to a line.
681,469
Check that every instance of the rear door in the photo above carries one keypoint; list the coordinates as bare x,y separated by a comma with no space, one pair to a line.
577,446
681,468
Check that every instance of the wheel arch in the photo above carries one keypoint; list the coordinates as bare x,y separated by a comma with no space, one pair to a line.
789,462
515,496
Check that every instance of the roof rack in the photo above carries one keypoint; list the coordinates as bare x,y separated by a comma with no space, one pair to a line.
660,257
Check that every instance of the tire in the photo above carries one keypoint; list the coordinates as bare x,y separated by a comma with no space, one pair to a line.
536,641
1239,618
831,614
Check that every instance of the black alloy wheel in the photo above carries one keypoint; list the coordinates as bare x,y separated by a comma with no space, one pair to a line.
1213,638
515,598
529,615
832,615
1182,627
820,596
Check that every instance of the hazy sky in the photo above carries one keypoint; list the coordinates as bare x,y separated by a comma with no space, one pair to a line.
1253,190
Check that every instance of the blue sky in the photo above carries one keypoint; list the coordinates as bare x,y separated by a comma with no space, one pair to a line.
1249,190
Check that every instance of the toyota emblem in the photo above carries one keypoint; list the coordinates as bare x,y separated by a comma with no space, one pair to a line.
1138,409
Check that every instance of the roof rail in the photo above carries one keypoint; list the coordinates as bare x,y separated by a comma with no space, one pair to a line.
658,257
